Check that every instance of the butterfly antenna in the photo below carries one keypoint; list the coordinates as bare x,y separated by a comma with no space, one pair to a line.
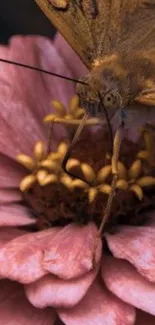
41,70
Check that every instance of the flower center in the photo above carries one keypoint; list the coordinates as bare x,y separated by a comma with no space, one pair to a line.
55,198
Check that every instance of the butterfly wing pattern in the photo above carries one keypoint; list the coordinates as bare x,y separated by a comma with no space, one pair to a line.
115,24
73,24
96,28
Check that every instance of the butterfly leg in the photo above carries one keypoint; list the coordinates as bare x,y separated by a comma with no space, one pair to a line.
116,150
115,157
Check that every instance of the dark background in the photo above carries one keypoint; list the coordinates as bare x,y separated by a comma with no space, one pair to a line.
22,17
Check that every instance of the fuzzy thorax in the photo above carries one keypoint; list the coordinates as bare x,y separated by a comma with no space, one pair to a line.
122,81
108,78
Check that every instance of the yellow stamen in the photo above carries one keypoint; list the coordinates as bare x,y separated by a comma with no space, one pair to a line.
39,150
49,164
66,180
73,166
122,171
62,148
135,169
137,191
49,179
122,184
41,174
92,193
78,183
146,181
59,107
49,118
143,154
26,161
105,188
72,163
73,104
103,173
88,172
79,113
27,182
55,156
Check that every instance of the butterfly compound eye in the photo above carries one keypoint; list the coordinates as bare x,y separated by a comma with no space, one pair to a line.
111,99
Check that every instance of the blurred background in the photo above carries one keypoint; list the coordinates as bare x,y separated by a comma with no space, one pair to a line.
22,17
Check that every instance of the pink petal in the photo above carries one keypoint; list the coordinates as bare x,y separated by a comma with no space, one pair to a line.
144,318
15,308
10,196
27,93
11,172
52,59
15,215
28,258
66,252
9,233
71,253
55,292
137,245
122,279
21,258
98,307
71,58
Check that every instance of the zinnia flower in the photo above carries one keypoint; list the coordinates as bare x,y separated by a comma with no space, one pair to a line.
49,269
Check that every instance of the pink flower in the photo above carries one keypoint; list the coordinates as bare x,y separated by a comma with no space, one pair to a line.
49,275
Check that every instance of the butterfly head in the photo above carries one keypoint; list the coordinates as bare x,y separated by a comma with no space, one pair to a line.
95,93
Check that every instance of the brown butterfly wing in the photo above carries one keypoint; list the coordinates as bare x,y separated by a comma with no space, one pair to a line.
97,27
73,25
138,27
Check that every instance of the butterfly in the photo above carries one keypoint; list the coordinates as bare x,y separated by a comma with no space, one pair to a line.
115,39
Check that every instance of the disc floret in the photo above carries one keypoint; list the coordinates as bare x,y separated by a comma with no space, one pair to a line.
83,186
